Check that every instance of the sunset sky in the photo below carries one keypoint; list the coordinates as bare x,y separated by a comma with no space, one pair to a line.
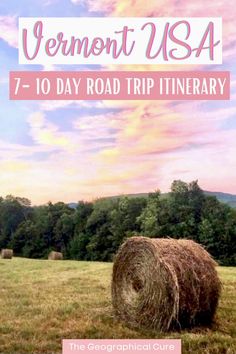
67,150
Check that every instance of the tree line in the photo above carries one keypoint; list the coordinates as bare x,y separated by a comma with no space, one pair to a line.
95,230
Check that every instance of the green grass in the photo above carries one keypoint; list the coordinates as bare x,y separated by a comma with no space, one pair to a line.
42,302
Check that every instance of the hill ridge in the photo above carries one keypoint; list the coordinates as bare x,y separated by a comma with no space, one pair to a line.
227,198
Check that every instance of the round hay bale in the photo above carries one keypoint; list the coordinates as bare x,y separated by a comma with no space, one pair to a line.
55,256
6,253
164,284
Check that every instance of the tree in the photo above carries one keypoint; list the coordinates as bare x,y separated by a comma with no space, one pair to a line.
217,230
28,242
124,218
98,228
13,211
185,208
148,219
94,231
63,231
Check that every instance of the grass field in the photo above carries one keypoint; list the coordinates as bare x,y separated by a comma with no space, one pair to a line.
42,302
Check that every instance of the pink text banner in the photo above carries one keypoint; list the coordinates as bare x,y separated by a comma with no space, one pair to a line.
120,85
117,346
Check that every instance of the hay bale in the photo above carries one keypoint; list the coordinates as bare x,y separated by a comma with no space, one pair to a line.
164,284
55,256
6,253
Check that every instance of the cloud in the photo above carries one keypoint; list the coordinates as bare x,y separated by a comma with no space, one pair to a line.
9,30
46,133
133,150
52,105
138,146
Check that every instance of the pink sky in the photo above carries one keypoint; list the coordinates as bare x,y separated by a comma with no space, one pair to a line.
112,147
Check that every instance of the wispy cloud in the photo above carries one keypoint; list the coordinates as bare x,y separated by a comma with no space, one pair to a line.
55,105
115,147
46,133
9,30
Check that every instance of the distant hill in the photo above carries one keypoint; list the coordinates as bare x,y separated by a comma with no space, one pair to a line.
73,205
226,198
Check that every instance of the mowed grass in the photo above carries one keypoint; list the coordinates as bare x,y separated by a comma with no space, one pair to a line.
43,301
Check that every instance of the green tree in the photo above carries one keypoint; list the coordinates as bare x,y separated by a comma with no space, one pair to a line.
124,219
98,227
13,211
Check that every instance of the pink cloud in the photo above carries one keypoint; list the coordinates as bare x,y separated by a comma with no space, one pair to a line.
9,30
142,147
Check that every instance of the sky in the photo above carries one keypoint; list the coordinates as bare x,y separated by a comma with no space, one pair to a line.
82,150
